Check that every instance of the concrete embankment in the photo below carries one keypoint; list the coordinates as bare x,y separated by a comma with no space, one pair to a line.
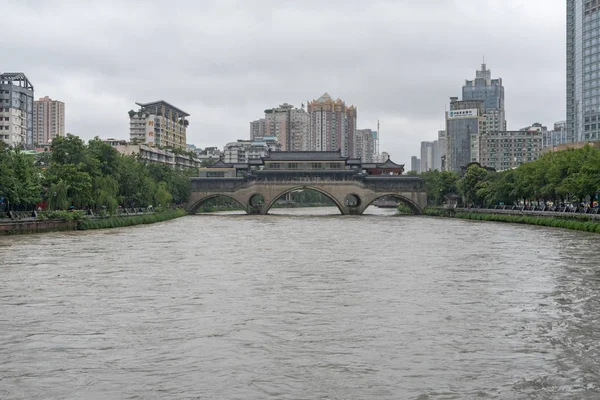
15,227
580,222
36,226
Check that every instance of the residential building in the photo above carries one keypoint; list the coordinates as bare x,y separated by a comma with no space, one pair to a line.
583,71
209,154
244,150
504,150
427,154
270,141
257,128
415,164
158,124
48,120
464,122
439,161
289,125
16,110
556,136
365,145
154,154
332,126
491,92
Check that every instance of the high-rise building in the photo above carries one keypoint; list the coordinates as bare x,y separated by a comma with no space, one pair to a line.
504,150
464,122
332,126
583,70
365,145
491,92
16,110
481,110
349,139
159,124
556,136
257,128
289,125
244,150
415,164
427,156
48,120
440,160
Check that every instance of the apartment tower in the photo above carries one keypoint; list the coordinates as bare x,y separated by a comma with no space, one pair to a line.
332,125
159,124
16,110
583,71
48,120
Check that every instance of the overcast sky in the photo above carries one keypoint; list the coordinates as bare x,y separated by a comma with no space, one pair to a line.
224,61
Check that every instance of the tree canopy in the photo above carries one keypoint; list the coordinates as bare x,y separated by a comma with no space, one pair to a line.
92,175
566,176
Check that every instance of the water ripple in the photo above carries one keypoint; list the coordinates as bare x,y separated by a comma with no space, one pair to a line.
301,307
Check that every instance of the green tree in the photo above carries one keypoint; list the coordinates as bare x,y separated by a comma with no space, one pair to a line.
58,196
105,192
471,183
20,186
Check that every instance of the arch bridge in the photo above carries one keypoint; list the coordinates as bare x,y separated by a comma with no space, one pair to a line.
351,185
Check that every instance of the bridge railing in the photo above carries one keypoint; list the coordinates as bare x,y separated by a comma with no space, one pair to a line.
375,183
393,183
218,184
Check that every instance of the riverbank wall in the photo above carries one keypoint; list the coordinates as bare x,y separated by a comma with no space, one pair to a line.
580,222
36,226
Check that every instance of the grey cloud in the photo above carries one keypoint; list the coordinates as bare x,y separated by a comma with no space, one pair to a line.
224,62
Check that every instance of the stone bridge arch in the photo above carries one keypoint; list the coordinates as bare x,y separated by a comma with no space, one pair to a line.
333,198
196,203
414,207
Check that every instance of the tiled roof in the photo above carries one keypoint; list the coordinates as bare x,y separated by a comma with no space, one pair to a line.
390,164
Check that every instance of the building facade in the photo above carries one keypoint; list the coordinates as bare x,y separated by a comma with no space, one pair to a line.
365,144
48,120
158,124
16,110
583,71
556,136
154,154
427,155
504,150
491,92
244,150
440,161
464,122
289,125
332,126
415,164
257,129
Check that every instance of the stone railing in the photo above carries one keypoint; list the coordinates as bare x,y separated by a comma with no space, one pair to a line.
545,211
12,216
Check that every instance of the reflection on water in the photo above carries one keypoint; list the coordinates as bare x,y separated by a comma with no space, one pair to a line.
301,304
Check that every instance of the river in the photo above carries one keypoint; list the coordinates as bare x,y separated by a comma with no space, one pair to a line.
301,304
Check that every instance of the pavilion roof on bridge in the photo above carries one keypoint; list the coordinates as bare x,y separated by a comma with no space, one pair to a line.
305,156
389,164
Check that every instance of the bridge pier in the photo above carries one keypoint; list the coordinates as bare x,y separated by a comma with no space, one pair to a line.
353,211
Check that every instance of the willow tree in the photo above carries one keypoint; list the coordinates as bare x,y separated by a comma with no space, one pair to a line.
58,196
